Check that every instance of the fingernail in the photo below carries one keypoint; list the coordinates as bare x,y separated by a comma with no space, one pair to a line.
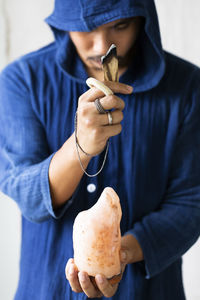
100,279
129,88
82,277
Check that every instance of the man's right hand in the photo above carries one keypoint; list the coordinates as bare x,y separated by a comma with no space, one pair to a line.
93,129
93,132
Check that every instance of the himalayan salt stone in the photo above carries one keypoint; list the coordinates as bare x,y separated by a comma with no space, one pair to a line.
97,236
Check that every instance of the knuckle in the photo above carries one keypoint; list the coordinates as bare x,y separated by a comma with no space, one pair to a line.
81,98
88,122
83,111
113,100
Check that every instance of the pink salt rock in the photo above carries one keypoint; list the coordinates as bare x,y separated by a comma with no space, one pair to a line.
97,236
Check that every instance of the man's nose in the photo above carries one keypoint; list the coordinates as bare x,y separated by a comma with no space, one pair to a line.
101,43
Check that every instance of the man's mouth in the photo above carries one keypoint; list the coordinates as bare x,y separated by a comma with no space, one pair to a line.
95,60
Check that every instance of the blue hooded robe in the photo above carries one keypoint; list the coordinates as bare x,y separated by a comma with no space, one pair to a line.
153,164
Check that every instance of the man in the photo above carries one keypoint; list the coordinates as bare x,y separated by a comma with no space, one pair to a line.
152,162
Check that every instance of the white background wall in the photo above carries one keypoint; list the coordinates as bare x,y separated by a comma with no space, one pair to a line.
22,30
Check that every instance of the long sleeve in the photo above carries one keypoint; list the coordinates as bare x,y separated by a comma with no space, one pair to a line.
167,233
24,153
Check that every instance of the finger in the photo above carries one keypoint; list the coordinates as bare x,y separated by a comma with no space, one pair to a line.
117,117
112,101
72,276
91,94
91,117
69,262
111,130
105,287
94,93
97,120
108,87
118,87
87,286
68,265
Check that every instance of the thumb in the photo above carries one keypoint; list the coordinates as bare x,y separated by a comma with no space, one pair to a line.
124,256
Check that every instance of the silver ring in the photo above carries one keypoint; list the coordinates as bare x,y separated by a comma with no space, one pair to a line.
99,107
110,119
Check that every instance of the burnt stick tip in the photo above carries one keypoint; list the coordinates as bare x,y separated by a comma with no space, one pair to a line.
112,52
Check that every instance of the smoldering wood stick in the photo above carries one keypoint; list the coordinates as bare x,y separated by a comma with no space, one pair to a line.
110,64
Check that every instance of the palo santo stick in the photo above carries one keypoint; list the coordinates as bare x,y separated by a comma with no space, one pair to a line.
110,64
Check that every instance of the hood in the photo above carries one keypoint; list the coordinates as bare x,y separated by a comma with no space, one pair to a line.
86,15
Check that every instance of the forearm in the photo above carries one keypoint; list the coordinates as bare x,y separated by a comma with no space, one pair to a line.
165,235
65,172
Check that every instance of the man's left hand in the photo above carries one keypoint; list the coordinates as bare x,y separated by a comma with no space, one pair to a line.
80,281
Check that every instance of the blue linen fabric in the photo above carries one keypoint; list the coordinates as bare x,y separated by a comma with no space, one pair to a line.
153,164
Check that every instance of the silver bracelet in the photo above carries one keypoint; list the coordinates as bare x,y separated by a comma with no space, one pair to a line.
79,147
